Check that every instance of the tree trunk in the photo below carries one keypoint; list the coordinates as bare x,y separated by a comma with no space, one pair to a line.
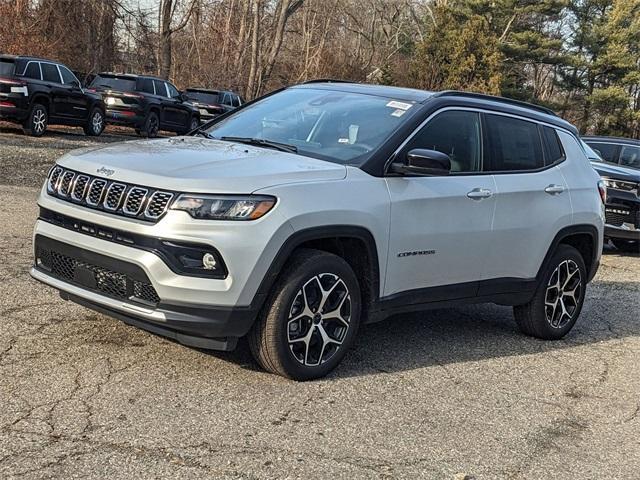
255,33
164,45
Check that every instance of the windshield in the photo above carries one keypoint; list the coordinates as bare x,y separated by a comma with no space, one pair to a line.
591,153
6,66
330,125
121,84
203,97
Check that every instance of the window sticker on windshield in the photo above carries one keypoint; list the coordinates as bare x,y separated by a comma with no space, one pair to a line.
398,113
343,140
399,105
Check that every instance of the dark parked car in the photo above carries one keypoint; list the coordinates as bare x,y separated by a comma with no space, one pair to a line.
622,208
35,92
212,103
148,104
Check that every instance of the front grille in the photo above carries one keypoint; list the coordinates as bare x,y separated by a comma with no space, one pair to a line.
114,197
74,265
618,216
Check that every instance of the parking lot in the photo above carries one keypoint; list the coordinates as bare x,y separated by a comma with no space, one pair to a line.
452,394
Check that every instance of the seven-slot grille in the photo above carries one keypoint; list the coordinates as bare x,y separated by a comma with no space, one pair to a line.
113,197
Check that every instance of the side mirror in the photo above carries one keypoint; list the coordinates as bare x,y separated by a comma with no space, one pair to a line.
420,161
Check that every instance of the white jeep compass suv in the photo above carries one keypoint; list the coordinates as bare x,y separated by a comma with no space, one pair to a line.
322,206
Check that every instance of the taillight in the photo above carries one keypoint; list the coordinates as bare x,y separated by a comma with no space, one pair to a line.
602,188
6,104
12,81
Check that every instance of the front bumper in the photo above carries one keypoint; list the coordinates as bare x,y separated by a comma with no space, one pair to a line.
113,287
626,233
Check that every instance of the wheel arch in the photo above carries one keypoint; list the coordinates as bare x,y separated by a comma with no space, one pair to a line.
43,100
583,238
354,244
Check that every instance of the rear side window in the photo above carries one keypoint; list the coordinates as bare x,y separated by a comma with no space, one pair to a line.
236,101
630,156
33,71
160,88
606,150
554,150
50,73
455,133
226,99
514,144
6,66
68,78
145,85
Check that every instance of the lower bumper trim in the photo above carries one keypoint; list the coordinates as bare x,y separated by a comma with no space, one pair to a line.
611,231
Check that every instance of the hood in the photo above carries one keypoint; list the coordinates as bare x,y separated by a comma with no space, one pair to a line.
616,171
200,165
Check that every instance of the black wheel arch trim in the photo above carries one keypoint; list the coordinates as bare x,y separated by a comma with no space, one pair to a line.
567,232
326,232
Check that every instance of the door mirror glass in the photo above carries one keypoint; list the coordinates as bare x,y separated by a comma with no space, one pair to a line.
421,161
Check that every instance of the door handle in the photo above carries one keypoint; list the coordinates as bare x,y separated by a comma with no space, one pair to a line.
554,189
479,193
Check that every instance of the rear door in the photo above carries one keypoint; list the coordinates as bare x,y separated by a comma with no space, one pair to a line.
441,225
166,122
59,106
532,198
177,112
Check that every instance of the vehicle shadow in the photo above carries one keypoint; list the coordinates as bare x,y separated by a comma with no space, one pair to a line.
472,333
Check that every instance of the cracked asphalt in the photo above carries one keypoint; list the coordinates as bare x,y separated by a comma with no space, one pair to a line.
449,394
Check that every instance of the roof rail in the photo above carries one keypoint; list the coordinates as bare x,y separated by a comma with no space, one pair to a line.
327,80
510,101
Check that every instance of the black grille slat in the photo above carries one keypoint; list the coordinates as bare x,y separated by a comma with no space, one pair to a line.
95,192
617,218
80,187
107,282
158,204
66,182
114,197
134,201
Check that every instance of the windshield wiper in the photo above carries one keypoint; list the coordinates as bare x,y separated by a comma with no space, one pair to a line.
202,133
261,142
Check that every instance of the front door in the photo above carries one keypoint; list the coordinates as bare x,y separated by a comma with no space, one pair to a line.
440,227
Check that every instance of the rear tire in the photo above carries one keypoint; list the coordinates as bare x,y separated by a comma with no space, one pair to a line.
37,121
95,123
310,319
628,246
151,125
193,124
556,305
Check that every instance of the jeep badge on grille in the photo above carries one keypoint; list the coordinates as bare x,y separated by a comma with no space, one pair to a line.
106,171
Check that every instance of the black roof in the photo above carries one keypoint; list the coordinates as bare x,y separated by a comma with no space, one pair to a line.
619,140
129,75
28,58
458,98
203,90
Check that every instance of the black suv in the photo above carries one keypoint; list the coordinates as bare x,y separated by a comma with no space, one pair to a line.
35,92
212,103
148,104
618,163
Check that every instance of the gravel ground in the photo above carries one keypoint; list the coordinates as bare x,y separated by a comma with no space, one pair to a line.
445,394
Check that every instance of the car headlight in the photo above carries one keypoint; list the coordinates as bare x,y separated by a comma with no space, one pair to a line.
224,207
621,185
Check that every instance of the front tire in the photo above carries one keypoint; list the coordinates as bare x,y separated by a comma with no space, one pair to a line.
193,124
95,123
37,121
559,297
310,319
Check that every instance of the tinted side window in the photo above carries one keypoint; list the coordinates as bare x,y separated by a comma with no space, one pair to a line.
630,156
513,144
236,101
50,73
67,77
606,150
33,71
455,133
226,100
553,146
160,88
173,91
145,85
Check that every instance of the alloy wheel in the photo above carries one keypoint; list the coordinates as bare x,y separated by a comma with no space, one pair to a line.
564,293
39,120
96,122
319,319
